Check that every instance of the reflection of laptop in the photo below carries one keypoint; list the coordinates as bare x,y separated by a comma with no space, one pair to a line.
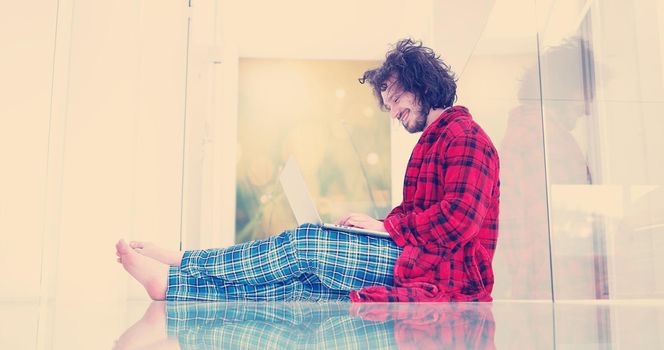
303,206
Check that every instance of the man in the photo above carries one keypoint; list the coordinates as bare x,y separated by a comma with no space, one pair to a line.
442,236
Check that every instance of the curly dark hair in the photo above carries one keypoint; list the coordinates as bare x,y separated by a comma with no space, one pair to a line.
418,70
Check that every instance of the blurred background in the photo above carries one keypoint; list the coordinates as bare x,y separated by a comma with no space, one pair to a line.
168,121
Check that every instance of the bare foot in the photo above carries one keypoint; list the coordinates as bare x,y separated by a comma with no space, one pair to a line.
168,257
151,274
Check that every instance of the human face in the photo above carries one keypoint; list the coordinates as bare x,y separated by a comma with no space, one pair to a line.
403,106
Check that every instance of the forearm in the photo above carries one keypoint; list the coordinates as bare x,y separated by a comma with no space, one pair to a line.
446,223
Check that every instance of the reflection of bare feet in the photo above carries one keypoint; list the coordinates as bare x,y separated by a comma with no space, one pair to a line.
148,330
151,274
168,257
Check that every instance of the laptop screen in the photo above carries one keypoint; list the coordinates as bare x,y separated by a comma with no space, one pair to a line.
298,195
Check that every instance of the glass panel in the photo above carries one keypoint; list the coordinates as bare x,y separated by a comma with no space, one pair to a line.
500,85
631,92
636,235
603,98
574,223
318,112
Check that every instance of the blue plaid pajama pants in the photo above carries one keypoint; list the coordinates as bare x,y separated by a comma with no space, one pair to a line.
308,263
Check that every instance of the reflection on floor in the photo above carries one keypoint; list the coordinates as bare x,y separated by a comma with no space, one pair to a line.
250,325
316,326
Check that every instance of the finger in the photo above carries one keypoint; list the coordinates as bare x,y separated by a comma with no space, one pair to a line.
135,244
354,219
352,222
342,220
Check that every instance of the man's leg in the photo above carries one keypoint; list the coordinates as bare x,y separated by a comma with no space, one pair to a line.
183,287
308,263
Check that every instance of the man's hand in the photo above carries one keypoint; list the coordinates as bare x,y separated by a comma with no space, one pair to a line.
361,221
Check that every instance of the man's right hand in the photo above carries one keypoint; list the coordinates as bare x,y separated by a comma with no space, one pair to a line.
361,221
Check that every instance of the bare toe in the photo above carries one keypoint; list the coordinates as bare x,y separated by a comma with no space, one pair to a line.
122,247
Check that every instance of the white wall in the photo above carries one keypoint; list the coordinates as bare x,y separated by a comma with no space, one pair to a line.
27,38
92,130
123,139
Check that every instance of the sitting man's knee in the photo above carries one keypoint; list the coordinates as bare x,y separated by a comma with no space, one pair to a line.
309,227
306,233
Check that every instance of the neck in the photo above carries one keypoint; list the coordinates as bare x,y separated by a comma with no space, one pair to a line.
433,115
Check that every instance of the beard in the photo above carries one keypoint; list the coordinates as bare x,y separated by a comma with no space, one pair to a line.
418,124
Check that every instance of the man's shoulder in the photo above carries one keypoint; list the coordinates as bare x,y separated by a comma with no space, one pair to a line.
465,128
462,125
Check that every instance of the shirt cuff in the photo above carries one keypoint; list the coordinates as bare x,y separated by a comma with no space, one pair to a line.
393,227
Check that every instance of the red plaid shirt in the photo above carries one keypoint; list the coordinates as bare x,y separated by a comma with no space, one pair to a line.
448,220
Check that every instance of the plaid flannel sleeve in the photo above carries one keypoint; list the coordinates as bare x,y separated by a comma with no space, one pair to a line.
470,168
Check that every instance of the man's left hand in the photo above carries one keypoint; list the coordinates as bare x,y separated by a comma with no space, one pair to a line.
361,221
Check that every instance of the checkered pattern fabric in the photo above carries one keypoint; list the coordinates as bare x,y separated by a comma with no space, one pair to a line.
308,263
266,325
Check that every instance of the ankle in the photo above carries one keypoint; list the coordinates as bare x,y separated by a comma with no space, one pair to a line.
178,258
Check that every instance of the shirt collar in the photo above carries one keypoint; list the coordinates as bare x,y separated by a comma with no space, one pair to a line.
448,114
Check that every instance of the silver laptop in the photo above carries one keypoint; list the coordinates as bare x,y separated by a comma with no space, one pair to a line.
303,205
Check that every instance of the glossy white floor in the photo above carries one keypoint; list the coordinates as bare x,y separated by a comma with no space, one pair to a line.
244,325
